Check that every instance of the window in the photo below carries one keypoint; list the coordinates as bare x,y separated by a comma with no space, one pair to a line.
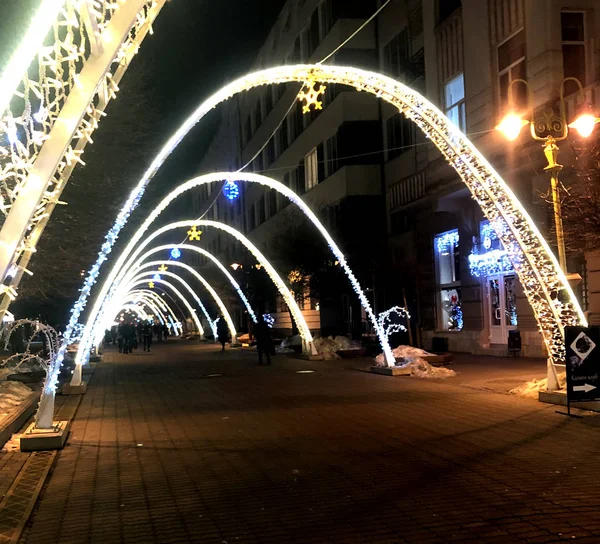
446,8
331,164
311,170
447,262
283,136
248,128
395,55
257,115
399,135
512,65
572,27
454,101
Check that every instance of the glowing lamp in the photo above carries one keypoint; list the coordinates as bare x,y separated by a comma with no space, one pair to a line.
511,126
175,253
585,124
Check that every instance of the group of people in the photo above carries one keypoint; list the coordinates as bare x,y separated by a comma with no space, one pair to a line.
128,336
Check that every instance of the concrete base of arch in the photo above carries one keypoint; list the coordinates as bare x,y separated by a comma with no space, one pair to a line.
69,389
45,439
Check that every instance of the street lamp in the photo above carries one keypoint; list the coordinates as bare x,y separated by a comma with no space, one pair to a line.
549,124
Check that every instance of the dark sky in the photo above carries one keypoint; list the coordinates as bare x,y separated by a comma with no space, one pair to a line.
197,46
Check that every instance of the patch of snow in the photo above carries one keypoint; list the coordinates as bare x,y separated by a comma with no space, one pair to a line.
408,357
532,388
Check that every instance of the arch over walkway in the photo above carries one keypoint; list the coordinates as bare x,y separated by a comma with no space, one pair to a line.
205,253
222,308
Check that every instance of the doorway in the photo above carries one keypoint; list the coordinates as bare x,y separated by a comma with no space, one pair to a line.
502,306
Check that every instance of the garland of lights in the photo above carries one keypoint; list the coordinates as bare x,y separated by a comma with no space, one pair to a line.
536,266
447,240
159,301
493,262
269,320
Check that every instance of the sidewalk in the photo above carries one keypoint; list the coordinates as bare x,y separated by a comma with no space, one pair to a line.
160,451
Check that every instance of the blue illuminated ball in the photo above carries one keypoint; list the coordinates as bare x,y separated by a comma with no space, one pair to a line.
175,253
231,190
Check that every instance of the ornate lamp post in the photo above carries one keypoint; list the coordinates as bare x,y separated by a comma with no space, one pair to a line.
550,129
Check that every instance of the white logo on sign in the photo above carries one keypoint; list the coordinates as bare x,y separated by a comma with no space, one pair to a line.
586,345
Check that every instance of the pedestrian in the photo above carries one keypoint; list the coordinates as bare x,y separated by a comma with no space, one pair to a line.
165,332
120,337
147,336
222,332
159,333
264,345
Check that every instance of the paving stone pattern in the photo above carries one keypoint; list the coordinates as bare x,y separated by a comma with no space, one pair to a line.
160,452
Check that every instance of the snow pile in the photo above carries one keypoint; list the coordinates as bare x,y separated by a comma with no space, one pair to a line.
410,358
328,347
403,352
12,394
532,388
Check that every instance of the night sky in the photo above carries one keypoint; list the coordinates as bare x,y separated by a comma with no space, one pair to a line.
197,46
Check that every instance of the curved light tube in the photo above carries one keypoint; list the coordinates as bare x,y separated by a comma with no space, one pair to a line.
281,287
131,272
31,43
138,280
159,301
222,268
207,285
189,289
537,268
179,296
136,297
134,308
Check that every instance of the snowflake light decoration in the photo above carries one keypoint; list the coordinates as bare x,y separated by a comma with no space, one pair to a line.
311,96
194,233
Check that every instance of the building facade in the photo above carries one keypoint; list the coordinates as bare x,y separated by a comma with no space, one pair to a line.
402,215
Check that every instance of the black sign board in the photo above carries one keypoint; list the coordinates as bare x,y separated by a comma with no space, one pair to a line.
583,363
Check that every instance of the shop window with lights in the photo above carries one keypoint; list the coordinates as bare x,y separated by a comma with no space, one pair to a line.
447,262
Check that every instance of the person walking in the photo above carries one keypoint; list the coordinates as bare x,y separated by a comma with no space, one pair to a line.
147,336
264,345
121,337
222,332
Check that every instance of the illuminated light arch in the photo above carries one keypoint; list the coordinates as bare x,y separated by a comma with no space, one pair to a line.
174,320
140,246
138,298
290,195
136,267
222,268
159,301
134,308
536,266
188,288
146,277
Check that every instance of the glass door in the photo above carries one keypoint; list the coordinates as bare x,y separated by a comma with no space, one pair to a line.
502,306
495,299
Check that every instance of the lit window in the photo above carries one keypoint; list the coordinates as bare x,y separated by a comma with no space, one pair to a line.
311,170
454,101
447,261
572,26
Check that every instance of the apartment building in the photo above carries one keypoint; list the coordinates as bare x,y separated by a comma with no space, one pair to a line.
404,217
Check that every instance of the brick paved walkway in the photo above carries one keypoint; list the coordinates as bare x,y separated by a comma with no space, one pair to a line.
160,452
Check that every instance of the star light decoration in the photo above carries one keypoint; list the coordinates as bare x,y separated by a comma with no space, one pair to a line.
163,268
151,284
311,96
194,233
